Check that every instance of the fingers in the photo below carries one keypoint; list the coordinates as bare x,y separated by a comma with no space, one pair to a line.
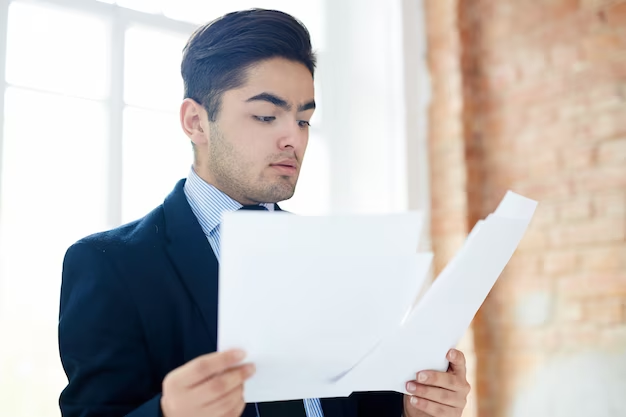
204,367
457,362
446,380
232,404
208,385
224,384
438,395
434,409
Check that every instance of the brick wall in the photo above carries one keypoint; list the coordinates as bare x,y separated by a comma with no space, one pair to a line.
531,96
447,148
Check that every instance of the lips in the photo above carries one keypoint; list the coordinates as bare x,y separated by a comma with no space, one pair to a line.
286,164
286,167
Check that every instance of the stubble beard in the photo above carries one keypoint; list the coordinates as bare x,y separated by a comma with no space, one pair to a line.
232,175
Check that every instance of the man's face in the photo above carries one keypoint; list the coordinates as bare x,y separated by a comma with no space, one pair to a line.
254,150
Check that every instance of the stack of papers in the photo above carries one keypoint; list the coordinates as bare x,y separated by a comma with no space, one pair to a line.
328,305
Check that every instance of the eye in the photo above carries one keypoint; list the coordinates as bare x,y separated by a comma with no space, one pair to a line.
304,124
265,119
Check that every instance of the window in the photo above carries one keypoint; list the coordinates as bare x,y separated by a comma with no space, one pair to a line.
53,178
90,138
155,150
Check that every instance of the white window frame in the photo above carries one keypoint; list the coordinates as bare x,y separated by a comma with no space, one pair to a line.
417,99
119,19
4,20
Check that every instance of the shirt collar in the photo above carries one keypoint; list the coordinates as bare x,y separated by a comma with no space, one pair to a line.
208,203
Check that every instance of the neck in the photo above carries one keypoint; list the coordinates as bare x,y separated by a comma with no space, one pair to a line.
210,179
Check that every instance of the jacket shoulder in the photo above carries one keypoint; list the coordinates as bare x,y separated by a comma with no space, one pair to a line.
138,235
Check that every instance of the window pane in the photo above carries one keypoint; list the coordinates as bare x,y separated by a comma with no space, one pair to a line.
53,193
148,6
309,12
152,68
57,50
156,155
198,12
312,195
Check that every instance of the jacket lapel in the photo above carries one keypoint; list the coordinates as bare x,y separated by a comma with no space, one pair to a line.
192,256
197,267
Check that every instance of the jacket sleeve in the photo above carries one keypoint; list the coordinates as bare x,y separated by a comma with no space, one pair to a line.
101,343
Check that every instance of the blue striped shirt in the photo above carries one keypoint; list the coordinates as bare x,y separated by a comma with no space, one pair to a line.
208,205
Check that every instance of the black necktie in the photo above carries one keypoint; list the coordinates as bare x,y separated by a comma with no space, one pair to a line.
282,408
293,408
254,207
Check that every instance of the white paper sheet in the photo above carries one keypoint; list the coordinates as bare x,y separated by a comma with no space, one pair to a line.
319,307
314,295
254,232
444,314
323,315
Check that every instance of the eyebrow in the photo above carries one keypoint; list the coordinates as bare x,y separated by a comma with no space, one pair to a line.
282,103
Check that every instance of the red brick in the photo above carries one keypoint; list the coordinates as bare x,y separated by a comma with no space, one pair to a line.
445,249
578,337
616,15
560,263
538,90
604,258
612,71
513,170
610,204
503,77
607,125
534,62
607,98
540,109
451,156
578,157
543,164
577,209
596,231
545,215
613,151
547,188
564,56
517,340
569,310
612,339
444,223
534,240
604,310
596,4
602,46
574,108
563,8
601,179
451,199
524,264
589,284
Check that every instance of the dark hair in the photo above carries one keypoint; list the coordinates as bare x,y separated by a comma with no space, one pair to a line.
218,54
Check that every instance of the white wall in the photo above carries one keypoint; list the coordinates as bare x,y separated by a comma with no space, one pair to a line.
576,385
361,75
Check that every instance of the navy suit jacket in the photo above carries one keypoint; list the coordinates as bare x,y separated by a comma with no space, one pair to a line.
141,300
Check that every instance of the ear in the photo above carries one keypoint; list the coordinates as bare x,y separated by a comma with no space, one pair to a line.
194,121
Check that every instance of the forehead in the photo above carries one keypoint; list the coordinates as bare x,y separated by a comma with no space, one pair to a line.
288,79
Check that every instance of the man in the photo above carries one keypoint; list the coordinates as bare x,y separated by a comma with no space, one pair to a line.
138,317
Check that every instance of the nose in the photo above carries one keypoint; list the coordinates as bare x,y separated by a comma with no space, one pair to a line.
293,137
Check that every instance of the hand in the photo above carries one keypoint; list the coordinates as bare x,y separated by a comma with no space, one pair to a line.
439,394
210,385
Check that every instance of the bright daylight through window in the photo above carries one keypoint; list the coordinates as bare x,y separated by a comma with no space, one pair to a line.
91,139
